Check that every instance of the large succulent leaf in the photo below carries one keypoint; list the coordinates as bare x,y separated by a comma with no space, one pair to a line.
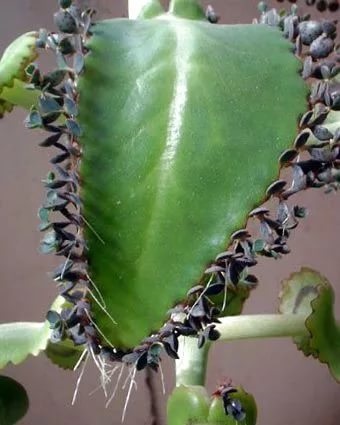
13,401
14,60
19,339
182,130
310,294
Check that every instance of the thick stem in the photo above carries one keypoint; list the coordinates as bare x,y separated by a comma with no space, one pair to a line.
261,326
18,95
192,363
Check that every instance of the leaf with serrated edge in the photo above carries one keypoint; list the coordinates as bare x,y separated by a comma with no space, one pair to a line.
20,53
64,353
19,339
310,294
164,193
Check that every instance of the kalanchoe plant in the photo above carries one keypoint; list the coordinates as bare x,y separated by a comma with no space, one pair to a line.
158,165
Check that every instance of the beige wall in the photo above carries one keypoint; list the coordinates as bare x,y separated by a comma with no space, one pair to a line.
290,390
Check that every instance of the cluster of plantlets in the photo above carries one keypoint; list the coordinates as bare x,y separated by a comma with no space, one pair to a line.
116,193
321,5
57,114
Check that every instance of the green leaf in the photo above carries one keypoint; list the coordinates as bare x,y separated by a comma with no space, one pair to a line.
13,401
182,130
64,353
19,339
20,53
308,293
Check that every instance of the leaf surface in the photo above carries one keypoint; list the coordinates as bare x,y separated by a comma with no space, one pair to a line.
19,339
309,293
183,124
64,353
13,62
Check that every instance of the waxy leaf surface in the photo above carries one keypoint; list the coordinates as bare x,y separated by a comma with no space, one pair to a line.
183,123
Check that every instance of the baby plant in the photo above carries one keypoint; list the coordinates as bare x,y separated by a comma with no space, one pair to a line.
169,132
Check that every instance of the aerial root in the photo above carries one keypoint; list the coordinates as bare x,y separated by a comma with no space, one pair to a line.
93,230
101,306
109,375
101,366
101,303
201,295
97,327
116,386
85,353
162,378
132,383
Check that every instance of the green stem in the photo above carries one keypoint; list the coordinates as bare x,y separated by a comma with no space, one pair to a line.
192,363
18,95
261,326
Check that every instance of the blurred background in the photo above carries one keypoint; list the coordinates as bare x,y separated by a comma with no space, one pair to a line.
289,388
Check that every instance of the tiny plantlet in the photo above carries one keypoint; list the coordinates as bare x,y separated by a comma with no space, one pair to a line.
169,132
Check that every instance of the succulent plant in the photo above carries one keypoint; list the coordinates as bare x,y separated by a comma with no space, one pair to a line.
170,132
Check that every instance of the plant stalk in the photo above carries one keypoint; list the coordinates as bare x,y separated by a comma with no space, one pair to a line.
18,95
192,363
261,326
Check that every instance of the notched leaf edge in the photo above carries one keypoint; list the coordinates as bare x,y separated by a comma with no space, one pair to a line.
16,57
19,339
310,294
